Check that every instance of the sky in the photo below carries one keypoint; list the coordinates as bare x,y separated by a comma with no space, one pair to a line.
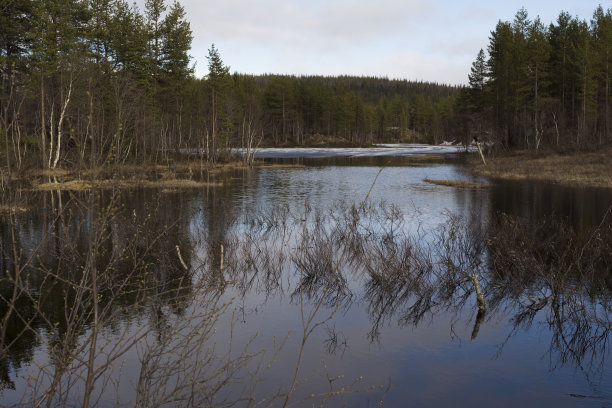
434,41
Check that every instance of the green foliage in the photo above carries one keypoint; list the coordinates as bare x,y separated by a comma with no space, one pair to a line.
218,80
15,22
218,73
544,84
478,72
478,77
129,40
177,37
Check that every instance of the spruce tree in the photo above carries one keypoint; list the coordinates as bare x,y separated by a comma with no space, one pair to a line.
477,79
499,65
217,81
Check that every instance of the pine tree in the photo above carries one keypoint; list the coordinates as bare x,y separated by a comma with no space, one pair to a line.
520,76
176,43
130,42
601,27
16,20
538,54
100,31
217,80
559,67
581,59
154,10
499,66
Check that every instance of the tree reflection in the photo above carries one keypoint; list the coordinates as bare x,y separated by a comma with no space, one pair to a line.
533,272
549,268
100,264
96,266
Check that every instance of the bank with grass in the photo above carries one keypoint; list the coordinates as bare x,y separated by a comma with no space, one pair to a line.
572,168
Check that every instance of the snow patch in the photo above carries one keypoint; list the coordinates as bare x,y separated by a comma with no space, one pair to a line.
379,150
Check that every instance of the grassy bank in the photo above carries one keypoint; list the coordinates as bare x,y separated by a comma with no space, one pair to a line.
79,185
173,174
588,169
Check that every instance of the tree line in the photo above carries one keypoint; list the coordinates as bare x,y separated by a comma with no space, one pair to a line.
542,85
96,82
87,83
357,110
84,83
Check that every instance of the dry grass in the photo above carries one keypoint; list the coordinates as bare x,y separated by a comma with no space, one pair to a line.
82,185
170,168
4,209
52,172
220,168
457,183
589,169
426,158
137,176
262,165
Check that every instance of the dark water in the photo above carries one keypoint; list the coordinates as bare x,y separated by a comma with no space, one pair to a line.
543,341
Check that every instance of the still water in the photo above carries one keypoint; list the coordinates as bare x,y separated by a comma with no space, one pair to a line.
389,326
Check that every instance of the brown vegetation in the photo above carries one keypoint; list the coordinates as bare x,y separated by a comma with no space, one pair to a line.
5,209
80,185
179,174
456,183
588,169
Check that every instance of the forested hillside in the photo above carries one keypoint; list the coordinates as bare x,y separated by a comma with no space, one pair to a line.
543,85
359,110
87,83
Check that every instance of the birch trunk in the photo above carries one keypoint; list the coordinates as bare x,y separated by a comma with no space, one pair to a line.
59,127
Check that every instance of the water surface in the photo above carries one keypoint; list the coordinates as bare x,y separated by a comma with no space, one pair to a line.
448,356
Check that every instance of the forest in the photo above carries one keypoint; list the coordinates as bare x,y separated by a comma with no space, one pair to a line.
543,85
92,83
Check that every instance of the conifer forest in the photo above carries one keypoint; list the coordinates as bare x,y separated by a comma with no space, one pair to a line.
85,83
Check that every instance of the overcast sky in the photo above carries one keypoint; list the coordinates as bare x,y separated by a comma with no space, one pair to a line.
412,39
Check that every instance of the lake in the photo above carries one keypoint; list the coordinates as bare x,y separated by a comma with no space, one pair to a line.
344,274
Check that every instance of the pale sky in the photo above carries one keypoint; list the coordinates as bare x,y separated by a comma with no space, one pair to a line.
408,39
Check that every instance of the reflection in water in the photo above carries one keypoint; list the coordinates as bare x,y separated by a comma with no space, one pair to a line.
94,268
142,279
582,207
547,266
523,270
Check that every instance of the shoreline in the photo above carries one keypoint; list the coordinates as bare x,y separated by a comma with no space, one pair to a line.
575,169
173,175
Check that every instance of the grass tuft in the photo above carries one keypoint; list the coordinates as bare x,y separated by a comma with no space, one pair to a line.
4,209
457,183
84,185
